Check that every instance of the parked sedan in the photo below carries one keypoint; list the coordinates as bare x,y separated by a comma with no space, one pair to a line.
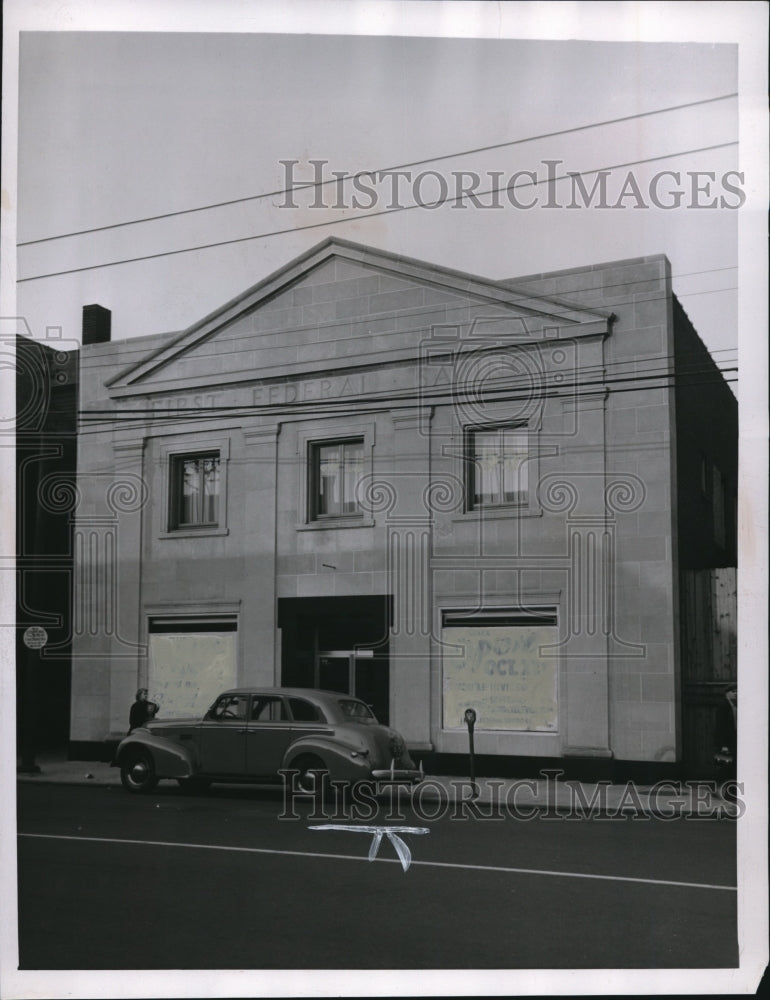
251,734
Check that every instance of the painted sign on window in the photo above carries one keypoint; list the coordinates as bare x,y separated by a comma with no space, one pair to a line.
500,672
189,669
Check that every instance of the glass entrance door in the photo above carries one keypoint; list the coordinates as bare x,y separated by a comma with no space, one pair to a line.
357,673
333,671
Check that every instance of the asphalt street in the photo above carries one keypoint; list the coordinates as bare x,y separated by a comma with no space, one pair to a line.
166,881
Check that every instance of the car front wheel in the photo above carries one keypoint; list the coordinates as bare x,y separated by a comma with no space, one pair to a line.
137,773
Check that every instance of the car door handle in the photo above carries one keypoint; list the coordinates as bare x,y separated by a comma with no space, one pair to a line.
242,730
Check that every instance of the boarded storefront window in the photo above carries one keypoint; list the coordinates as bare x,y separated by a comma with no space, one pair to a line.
189,669
505,669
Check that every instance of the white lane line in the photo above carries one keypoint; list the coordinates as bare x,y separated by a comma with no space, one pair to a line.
393,861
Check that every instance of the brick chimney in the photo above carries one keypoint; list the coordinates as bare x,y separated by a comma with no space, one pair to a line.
97,324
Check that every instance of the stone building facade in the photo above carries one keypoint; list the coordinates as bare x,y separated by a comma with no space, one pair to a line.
430,489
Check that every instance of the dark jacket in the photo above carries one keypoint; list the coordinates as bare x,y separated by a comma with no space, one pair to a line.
141,712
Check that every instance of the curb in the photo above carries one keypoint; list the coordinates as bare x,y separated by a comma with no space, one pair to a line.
559,800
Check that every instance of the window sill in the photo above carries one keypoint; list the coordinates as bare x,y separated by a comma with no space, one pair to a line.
337,523
203,532
463,731
497,513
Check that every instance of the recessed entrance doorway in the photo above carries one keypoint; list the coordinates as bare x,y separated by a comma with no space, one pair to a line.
338,644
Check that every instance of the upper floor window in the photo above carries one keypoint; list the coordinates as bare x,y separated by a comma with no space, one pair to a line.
195,490
497,460
336,468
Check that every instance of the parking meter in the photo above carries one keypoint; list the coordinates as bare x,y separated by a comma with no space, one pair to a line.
470,722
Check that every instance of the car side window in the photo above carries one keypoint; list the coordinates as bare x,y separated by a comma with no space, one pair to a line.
304,711
229,708
267,709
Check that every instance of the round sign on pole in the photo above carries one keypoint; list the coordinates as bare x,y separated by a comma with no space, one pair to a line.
35,637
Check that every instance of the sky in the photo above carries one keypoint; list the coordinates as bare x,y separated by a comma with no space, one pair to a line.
118,126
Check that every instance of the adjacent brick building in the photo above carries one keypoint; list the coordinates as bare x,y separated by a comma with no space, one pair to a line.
45,439
431,489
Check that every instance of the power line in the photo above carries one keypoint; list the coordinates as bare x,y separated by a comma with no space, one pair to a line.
558,379
385,406
659,365
665,380
707,291
381,170
466,386
371,215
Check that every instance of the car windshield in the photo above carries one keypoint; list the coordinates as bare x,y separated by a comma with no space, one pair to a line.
356,711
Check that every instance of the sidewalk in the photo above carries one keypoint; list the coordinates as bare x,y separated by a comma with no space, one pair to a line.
518,797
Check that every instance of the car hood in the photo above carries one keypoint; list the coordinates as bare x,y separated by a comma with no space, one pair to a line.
158,725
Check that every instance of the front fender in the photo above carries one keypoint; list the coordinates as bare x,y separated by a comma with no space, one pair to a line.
170,759
338,757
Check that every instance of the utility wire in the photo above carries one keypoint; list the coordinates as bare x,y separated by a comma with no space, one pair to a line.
382,170
464,389
465,385
356,406
665,380
658,366
371,215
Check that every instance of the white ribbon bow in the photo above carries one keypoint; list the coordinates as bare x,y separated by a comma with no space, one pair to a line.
403,852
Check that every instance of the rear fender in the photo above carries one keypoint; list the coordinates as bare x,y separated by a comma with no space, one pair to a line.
338,757
170,759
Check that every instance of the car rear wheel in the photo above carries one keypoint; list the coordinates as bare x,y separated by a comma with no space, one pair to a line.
137,773
306,779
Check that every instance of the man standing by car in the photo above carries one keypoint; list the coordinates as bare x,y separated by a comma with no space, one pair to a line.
141,711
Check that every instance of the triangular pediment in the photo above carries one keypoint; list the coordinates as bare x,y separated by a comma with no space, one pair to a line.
339,305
